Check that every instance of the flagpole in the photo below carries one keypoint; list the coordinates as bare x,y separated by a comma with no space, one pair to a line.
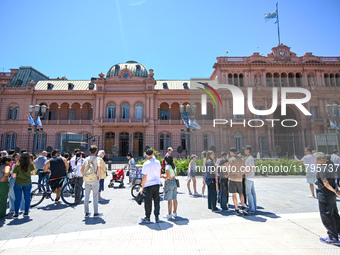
278,26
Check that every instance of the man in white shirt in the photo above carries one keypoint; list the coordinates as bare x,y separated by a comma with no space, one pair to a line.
311,168
150,185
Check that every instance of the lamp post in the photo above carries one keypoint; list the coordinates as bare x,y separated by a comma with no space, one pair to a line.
333,111
36,130
188,113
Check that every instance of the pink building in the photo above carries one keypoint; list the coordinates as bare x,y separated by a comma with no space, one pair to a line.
127,109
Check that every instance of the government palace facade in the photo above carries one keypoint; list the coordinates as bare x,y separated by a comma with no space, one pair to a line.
127,109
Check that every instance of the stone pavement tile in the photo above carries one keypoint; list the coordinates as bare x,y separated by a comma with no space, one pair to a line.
38,240
108,232
2,243
327,250
68,236
93,234
22,242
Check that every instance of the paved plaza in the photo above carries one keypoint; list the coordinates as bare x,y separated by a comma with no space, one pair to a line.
287,222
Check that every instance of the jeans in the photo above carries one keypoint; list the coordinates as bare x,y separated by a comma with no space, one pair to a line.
330,218
77,190
42,177
212,196
11,196
224,194
151,192
94,186
18,190
250,187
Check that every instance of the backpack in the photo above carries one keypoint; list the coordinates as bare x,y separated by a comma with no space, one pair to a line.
90,173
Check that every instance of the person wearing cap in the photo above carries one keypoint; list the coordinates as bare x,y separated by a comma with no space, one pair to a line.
169,151
250,176
192,175
223,194
336,160
326,194
235,169
310,164
3,153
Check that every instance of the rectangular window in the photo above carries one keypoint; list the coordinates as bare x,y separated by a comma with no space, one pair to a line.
183,144
205,142
314,112
73,115
161,142
51,115
164,115
262,143
237,116
10,141
167,141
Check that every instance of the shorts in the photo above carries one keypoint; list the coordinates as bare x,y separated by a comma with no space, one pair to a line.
311,177
192,174
170,190
132,173
235,187
56,183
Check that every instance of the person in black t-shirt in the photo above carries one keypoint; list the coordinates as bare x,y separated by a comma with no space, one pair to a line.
326,194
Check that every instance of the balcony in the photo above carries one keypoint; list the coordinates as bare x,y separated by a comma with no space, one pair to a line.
124,122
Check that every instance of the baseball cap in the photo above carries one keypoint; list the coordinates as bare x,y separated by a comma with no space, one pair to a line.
233,149
169,149
247,147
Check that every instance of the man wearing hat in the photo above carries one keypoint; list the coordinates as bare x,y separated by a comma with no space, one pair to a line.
250,175
235,169
326,194
169,151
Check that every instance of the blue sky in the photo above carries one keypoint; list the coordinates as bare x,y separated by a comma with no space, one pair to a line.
178,39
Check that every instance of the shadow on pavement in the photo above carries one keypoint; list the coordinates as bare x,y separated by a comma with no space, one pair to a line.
94,221
161,225
180,221
20,221
266,214
104,202
49,207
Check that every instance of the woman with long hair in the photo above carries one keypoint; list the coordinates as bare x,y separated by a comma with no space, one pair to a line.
211,180
170,188
11,194
192,175
4,184
22,172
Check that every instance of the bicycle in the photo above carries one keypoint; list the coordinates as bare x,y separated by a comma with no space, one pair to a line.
68,192
137,187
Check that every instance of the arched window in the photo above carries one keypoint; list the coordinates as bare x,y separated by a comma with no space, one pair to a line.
326,80
230,78
337,80
331,77
139,111
117,69
269,80
125,111
298,78
13,113
10,141
238,140
241,80
111,111
235,79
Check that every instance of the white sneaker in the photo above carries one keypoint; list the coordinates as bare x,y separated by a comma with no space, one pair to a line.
174,215
168,216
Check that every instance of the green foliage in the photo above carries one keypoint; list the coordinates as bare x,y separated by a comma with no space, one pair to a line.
281,166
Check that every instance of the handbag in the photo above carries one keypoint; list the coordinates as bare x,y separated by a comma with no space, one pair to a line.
177,183
139,198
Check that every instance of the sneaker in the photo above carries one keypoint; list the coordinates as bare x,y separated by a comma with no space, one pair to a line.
168,216
245,212
87,215
145,220
11,212
237,211
174,215
98,215
15,216
196,194
25,214
329,240
216,210
190,193
157,219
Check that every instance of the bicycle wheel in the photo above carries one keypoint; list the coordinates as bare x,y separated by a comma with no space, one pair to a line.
37,194
135,190
72,193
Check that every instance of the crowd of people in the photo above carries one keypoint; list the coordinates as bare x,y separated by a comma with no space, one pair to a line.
230,174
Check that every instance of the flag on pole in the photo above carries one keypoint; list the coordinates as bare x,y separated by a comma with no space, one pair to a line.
30,120
333,125
185,123
39,121
273,15
194,124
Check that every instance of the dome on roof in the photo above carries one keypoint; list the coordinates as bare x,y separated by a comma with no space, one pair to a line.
137,69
